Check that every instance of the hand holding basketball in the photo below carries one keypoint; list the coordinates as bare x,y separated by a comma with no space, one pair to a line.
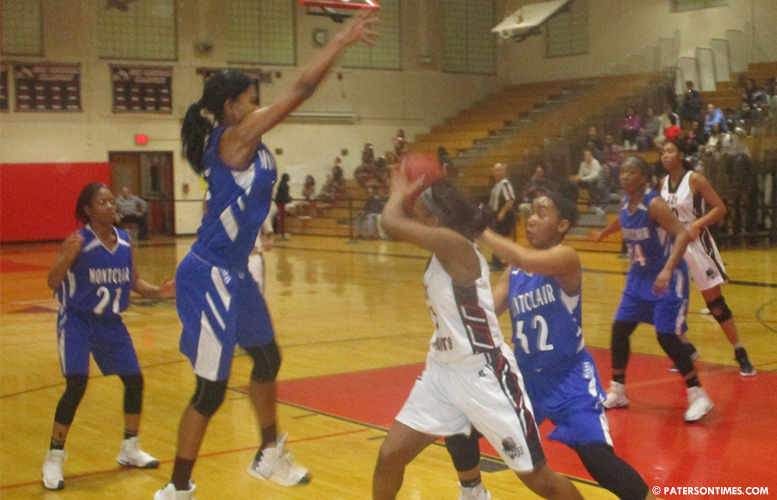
416,172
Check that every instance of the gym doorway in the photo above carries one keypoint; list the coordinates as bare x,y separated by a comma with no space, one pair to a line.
148,175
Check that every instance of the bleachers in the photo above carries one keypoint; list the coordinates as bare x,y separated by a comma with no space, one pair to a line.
727,96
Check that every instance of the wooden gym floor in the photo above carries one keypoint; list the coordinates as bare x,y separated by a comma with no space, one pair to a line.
354,330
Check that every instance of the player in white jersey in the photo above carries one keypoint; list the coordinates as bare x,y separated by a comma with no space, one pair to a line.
219,303
688,194
471,377
92,279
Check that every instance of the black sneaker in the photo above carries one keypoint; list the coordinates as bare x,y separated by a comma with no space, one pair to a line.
746,368
694,356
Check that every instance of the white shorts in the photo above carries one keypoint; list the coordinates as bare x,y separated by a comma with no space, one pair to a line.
704,262
451,399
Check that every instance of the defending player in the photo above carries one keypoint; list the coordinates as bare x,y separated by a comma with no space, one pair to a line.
92,279
542,289
470,378
656,285
219,303
687,192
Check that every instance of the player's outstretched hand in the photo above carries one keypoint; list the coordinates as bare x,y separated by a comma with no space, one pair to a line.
167,290
401,187
360,28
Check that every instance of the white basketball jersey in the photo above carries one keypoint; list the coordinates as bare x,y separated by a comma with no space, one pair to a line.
464,318
686,206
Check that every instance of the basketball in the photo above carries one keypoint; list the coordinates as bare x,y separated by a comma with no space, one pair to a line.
423,164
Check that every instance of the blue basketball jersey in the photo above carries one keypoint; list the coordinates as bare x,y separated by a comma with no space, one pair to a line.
546,322
100,279
648,244
238,203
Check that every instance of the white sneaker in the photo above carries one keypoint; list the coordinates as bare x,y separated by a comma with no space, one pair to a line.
52,470
705,310
277,464
170,493
475,493
616,396
699,404
131,455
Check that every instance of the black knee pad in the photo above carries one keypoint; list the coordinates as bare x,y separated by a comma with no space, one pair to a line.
719,310
620,344
267,362
208,396
611,471
464,450
133,393
677,352
68,404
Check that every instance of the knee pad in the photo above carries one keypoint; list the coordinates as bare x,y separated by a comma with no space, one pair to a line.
677,352
267,362
68,404
611,471
133,393
719,310
208,396
464,451
620,343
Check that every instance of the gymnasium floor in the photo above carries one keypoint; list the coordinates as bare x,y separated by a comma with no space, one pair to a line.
354,331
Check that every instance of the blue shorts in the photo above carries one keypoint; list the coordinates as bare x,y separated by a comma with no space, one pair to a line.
219,309
104,337
667,312
572,400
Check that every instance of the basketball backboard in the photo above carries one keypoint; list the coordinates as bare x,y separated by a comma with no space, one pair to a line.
337,10
527,20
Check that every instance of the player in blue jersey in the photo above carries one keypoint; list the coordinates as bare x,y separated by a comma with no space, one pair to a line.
218,302
656,285
542,289
92,279
470,378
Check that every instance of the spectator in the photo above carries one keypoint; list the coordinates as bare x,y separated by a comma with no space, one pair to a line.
666,122
715,141
631,124
501,203
672,130
364,176
338,178
691,108
400,145
613,157
537,186
368,155
595,143
591,177
328,190
282,197
131,208
368,219
308,204
714,117
649,131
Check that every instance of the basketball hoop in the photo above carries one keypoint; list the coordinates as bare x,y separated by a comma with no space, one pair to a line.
337,10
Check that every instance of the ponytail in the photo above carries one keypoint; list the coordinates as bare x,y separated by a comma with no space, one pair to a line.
455,211
194,132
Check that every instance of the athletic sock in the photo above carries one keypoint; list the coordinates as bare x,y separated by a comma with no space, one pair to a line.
57,445
621,379
269,435
182,473
693,382
471,483
130,434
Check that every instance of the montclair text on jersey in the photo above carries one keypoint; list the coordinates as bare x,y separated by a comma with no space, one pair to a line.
635,234
532,300
110,276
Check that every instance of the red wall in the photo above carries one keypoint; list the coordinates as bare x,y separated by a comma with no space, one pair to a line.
38,200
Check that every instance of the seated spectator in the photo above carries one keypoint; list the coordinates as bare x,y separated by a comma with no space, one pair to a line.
714,117
381,171
734,144
613,158
368,219
691,107
591,176
595,143
131,208
649,131
631,123
338,178
368,154
365,176
715,141
400,144
665,121
672,130
537,186
307,206
328,190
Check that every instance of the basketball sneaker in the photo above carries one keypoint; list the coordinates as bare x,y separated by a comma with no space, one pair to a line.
699,404
475,493
694,356
170,493
52,470
131,455
746,368
277,464
616,396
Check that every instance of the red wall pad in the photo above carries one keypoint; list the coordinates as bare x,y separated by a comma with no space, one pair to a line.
38,200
